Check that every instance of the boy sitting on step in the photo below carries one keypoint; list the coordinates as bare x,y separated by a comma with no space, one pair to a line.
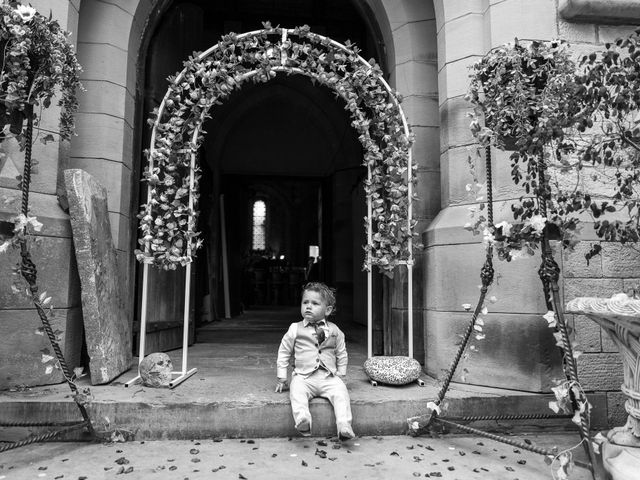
317,350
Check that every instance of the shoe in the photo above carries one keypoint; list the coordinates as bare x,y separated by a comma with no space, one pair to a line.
346,433
304,428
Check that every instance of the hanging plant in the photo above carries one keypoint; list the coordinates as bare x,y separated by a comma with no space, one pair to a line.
168,221
524,101
38,63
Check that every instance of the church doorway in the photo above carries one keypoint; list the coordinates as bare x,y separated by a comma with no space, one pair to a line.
282,177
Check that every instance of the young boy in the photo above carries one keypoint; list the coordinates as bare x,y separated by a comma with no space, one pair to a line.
319,355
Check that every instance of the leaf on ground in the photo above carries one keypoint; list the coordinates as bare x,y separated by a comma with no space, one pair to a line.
435,474
195,459
395,454
321,453
509,469
429,447
304,464
274,455
322,443
194,451
522,462
251,441
172,468
242,477
122,461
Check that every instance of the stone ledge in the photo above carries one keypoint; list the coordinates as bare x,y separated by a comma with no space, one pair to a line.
607,12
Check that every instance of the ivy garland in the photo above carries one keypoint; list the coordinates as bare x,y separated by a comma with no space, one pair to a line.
168,220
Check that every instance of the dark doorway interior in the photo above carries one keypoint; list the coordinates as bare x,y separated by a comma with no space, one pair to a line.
288,144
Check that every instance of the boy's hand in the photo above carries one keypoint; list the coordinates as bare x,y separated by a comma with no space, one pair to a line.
282,385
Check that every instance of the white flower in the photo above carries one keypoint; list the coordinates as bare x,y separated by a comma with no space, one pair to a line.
466,306
505,227
537,222
550,317
4,246
487,237
26,12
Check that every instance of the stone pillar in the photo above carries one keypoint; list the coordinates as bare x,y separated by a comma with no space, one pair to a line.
519,351
52,249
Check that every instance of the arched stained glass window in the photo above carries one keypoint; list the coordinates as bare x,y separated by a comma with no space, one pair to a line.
259,239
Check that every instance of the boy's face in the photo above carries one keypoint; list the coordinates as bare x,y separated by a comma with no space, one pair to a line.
313,307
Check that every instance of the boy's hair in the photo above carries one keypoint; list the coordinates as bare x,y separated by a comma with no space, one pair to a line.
327,293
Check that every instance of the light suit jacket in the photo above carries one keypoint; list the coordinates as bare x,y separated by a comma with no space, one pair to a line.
300,348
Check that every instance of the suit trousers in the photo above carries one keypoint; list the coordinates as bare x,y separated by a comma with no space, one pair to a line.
320,383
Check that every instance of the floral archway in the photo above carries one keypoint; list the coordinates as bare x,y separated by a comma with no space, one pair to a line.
168,219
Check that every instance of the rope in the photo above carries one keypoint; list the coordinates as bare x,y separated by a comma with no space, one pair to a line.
29,273
45,436
549,275
486,276
526,416
38,424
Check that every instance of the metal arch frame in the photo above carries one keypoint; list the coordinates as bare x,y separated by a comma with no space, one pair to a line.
185,373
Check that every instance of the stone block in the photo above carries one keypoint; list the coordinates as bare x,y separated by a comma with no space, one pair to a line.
400,13
44,207
452,9
460,38
600,11
428,192
100,137
600,371
56,274
104,98
21,348
577,32
522,19
417,78
454,123
421,110
106,62
456,175
616,413
106,23
416,41
575,264
587,334
453,279
107,330
631,285
426,147
518,352
620,260
114,176
609,33
591,287
453,78
44,159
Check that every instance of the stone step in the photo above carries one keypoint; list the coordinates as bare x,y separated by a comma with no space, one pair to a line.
169,414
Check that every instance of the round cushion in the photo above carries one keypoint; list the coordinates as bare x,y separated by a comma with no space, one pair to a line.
392,370
155,370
